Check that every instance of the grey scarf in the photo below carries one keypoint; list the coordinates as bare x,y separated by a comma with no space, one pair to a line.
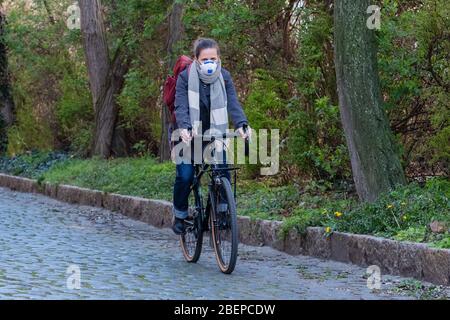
218,112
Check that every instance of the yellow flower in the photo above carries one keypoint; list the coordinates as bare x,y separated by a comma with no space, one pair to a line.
338,214
390,206
405,217
403,203
327,229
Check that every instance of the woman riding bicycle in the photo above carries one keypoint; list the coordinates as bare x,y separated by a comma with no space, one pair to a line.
205,96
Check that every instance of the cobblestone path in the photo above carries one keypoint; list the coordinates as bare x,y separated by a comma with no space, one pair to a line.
42,240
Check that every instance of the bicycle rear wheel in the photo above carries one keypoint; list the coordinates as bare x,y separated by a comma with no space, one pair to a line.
223,224
192,240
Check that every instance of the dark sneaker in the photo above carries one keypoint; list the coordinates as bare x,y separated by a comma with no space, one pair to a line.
178,226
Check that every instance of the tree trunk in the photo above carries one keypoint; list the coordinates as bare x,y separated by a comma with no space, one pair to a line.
120,66
174,35
6,100
375,164
106,78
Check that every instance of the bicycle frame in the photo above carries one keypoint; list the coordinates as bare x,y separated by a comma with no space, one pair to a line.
215,173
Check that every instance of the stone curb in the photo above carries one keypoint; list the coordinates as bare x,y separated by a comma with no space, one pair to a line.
393,257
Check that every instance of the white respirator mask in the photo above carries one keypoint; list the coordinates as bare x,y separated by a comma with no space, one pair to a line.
208,67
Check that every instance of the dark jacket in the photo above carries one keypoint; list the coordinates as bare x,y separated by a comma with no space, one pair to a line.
235,111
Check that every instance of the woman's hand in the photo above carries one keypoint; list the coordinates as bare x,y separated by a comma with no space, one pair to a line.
186,136
245,134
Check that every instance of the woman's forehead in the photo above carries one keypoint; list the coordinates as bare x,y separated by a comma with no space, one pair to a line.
208,53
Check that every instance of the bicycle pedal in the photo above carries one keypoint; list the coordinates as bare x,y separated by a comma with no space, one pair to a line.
189,223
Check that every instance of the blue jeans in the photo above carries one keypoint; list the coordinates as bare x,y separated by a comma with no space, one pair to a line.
181,189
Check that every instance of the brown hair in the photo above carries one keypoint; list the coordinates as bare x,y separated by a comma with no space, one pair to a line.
204,43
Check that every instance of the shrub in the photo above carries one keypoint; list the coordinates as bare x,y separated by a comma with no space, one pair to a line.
316,142
266,107
74,112
28,133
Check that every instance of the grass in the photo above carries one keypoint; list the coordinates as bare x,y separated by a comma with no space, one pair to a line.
403,214
142,177
145,177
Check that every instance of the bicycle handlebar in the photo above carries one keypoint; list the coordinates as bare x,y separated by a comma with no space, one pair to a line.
211,137
222,136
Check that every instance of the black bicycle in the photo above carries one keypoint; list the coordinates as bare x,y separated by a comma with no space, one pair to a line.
216,213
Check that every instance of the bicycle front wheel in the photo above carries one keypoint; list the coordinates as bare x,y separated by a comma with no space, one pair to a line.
192,240
223,224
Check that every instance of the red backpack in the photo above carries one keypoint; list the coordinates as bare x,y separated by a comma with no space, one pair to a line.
182,63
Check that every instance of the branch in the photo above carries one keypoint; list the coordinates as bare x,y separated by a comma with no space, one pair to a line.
430,67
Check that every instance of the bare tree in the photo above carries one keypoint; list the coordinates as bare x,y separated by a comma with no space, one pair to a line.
6,99
174,35
106,76
375,164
